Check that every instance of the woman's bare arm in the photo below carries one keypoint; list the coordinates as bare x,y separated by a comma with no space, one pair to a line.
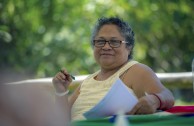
151,92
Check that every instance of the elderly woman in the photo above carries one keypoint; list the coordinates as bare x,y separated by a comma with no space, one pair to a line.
113,42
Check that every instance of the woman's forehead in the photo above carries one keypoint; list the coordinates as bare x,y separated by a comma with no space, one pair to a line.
109,30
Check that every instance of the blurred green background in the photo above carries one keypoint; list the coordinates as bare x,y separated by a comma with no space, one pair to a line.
39,37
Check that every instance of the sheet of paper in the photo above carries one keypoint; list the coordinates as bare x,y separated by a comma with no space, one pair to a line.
119,98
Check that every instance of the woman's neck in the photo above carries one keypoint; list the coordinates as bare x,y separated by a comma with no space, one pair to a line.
106,73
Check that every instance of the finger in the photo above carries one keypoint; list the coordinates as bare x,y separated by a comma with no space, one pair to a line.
58,78
70,77
63,79
140,110
64,71
67,75
62,76
135,109
141,106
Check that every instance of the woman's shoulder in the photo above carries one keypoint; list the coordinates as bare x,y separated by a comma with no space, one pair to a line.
140,72
141,68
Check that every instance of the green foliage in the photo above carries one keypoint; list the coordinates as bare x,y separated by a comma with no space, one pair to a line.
39,37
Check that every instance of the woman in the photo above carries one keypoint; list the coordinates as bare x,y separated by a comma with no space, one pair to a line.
113,42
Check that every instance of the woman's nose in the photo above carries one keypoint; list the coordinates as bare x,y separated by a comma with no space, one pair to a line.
106,46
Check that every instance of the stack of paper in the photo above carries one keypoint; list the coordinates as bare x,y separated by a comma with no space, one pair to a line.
118,98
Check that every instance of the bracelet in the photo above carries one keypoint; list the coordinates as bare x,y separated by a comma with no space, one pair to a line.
158,99
62,94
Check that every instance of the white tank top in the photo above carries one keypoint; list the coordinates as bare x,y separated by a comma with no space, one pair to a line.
92,91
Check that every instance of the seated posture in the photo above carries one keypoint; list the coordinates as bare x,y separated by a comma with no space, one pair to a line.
113,42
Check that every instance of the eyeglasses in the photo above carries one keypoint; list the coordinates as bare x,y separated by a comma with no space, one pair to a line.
112,43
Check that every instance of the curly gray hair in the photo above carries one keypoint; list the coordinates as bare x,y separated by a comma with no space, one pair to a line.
124,28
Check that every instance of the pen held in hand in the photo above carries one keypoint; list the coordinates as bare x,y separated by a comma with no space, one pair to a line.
69,74
72,77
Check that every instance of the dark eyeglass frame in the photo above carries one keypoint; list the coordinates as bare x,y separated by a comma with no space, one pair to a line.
103,42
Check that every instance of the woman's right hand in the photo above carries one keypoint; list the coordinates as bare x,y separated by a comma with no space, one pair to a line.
61,81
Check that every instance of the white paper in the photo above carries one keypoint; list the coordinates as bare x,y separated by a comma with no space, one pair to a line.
119,98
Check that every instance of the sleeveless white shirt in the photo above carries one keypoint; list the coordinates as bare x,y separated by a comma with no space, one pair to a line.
92,91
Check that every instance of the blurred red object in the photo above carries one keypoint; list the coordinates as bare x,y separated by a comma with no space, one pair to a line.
181,109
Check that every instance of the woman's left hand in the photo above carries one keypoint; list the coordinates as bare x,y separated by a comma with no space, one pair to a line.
146,105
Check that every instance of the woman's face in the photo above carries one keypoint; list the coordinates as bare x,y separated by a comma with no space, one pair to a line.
106,56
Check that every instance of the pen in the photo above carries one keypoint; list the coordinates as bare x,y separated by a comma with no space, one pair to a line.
72,77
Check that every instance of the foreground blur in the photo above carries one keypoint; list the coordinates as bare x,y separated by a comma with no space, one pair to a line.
28,105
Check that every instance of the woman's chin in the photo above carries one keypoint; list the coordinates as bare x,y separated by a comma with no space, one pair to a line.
106,63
